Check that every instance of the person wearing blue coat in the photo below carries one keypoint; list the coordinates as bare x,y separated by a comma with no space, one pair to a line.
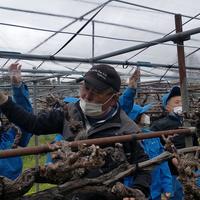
126,100
161,175
12,167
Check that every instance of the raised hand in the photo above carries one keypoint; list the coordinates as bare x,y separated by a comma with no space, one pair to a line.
15,73
134,78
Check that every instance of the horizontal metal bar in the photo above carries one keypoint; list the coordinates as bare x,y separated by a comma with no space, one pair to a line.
17,55
173,37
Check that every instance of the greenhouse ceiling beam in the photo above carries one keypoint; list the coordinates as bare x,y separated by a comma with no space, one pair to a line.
17,55
43,71
45,78
34,79
174,37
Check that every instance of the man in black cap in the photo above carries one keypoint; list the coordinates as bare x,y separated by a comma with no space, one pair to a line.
99,113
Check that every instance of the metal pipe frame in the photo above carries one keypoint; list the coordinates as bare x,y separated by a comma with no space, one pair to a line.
17,55
174,37
98,59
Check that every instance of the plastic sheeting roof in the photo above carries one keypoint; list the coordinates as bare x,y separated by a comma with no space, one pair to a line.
42,27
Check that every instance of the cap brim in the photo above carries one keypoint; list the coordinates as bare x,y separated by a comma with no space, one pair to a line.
94,83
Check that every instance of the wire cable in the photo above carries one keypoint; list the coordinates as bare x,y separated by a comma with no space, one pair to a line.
178,44
89,35
61,29
163,36
79,30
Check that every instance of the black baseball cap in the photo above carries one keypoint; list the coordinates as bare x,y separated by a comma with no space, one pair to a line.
102,77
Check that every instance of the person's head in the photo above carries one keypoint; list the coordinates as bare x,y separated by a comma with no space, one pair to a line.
99,90
172,101
139,114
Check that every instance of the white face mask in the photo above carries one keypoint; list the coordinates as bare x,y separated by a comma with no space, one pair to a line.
92,109
146,119
178,110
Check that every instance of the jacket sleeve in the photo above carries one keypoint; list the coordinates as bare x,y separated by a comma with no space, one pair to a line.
135,154
142,178
21,97
166,177
126,100
46,123
156,126
7,139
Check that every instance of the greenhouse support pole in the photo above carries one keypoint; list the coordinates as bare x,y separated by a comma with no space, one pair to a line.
182,75
35,137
